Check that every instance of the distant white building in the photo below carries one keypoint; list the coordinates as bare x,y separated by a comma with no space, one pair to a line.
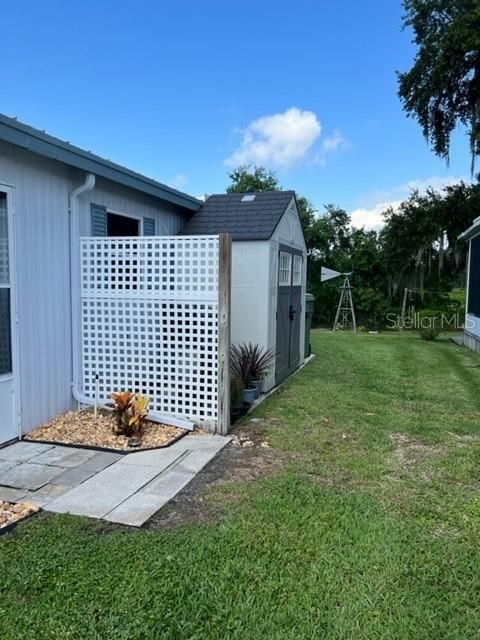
472,318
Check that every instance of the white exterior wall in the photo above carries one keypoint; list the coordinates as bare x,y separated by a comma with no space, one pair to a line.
41,190
473,325
124,201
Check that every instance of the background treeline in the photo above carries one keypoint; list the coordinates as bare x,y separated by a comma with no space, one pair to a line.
417,248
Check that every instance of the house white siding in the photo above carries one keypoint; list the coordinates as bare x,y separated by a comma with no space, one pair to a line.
124,201
41,189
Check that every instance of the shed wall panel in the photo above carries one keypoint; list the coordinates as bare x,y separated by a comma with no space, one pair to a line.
250,272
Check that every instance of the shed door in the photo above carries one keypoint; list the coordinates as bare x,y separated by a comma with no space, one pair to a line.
289,308
8,425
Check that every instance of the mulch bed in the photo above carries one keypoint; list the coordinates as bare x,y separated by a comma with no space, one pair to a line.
12,513
83,428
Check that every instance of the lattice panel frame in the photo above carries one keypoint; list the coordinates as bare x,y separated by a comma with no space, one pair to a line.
149,309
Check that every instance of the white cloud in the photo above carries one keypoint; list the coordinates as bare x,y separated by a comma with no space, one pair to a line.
436,182
179,181
335,142
372,219
369,214
279,140
403,190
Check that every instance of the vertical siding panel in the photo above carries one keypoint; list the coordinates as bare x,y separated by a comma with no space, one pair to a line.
42,267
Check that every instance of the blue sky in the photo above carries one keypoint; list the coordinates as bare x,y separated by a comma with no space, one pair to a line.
181,91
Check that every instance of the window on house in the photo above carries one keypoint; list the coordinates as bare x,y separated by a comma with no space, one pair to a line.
297,271
122,225
285,269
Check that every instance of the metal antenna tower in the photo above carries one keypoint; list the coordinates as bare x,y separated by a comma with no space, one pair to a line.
345,316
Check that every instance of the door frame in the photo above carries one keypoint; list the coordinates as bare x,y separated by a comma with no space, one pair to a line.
292,251
9,191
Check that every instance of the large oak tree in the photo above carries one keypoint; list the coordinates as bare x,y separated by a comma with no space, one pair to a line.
442,89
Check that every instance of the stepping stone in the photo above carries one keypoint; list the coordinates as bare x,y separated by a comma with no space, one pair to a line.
137,509
159,458
30,476
63,457
213,442
101,460
168,484
22,451
8,494
46,494
103,492
7,464
196,460
73,476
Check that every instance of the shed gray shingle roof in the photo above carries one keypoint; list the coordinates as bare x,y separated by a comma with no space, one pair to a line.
22,135
244,220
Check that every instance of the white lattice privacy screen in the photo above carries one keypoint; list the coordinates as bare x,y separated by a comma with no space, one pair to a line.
150,321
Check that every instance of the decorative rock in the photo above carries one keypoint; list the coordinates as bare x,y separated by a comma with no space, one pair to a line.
10,513
18,508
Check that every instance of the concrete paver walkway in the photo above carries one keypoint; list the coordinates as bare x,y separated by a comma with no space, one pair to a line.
127,489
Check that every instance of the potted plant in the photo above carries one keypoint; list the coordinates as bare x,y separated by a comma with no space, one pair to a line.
250,362
240,367
261,360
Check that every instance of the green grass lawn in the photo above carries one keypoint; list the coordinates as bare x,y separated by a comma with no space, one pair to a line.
370,528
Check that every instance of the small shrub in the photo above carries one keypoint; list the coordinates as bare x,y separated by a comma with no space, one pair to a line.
139,412
429,333
130,412
430,324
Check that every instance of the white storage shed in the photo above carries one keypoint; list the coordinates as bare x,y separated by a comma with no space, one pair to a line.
269,258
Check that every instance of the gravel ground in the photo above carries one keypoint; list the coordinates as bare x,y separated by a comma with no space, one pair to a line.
82,427
10,513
